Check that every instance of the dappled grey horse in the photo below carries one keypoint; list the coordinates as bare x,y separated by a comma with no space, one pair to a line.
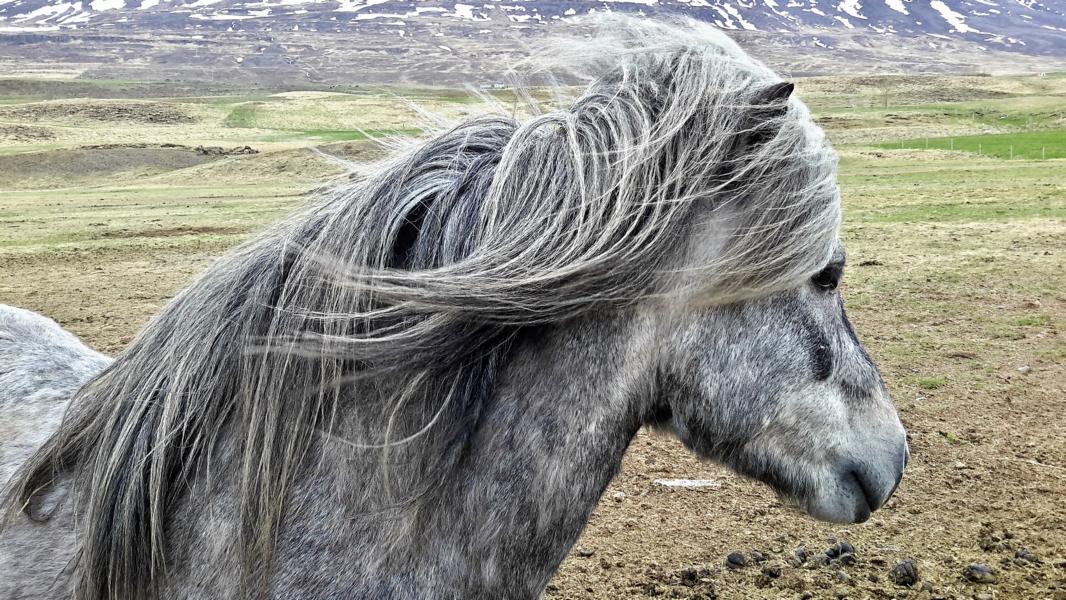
420,385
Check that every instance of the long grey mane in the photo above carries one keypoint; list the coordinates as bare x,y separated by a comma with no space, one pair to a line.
414,282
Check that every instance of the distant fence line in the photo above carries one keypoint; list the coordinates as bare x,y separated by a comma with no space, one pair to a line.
1028,146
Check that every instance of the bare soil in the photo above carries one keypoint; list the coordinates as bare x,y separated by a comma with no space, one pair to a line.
25,133
987,475
155,113
956,283
59,168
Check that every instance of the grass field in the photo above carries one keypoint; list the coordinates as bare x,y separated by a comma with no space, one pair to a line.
956,283
1022,144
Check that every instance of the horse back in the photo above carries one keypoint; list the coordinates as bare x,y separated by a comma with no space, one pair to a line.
41,366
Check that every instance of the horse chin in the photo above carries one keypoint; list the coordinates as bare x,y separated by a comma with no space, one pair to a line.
849,496
843,509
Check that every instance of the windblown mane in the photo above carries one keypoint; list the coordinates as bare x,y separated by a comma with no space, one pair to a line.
414,281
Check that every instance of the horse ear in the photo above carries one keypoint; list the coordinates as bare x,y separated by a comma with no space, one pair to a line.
768,105
777,93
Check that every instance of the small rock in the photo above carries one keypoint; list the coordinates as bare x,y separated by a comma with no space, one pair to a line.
618,496
983,596
819,560
735,560
583,552
1024,369
927,587
799,556
979,573
1026,555
905,573
845,559
758,557
772,572
839,549
843,577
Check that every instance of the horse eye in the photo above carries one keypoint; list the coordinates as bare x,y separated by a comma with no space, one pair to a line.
829,277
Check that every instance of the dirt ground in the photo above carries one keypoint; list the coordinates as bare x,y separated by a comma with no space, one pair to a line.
965,319
956,283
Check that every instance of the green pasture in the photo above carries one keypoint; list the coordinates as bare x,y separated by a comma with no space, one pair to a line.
1049,144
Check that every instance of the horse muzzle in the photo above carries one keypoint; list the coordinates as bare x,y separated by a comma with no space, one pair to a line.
858,487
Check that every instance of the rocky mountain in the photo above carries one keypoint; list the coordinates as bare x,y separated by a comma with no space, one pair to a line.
331,40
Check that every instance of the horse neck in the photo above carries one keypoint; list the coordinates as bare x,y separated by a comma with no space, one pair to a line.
551,442
546,445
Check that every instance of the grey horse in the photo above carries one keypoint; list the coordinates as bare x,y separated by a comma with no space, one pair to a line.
420,385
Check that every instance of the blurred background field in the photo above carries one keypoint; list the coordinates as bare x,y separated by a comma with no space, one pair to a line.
114,194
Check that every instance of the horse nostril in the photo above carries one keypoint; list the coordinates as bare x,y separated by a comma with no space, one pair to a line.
871,499
863,512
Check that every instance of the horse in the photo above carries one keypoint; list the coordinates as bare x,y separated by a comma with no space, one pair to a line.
419,385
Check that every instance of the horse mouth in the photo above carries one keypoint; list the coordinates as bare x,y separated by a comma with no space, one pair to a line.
849,496
854,496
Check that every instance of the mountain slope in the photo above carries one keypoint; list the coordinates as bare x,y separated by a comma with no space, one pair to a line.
829,34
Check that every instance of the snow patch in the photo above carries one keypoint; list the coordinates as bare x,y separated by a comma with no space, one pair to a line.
772,5
46,11
852,7
464,11
736,14
356,5
957,22
372,16
898,6
102,5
